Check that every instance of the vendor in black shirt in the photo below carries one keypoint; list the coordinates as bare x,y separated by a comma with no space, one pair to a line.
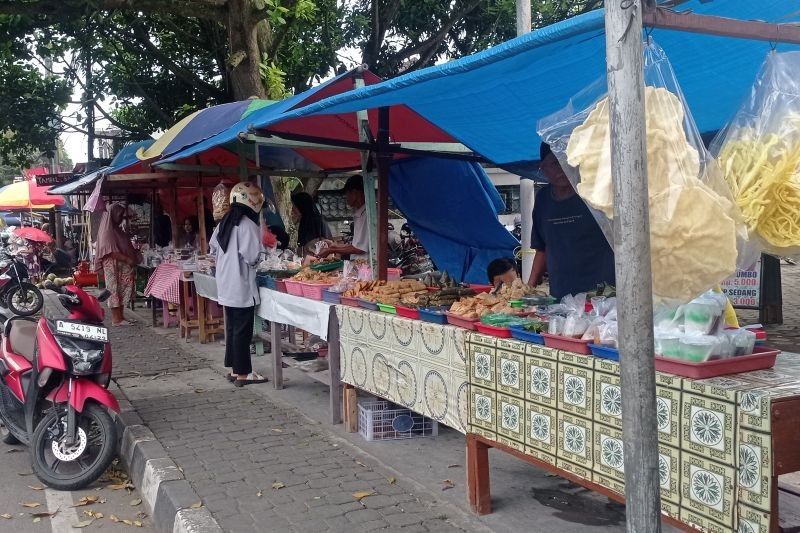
569,244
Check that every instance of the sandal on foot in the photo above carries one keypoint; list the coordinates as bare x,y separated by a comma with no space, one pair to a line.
232,377
251,379
123,323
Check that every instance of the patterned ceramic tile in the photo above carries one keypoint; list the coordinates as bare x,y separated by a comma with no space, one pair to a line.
707,489
402,333
458,352
407,379
486,433
511,418
459,406
483,408
381,375
574,359
511,443
754,409
608,482
541,376
434,343
754,463
538,454
541,425
753,520
670,509
575,390
581,471
435,392
668,415
377,326
606,366
538,350
669,380
720,388
669,474
483,340
482,366
609,457
354,322
510,372
511,345
358,364
607,400
707,428
688,516
769,376
575,440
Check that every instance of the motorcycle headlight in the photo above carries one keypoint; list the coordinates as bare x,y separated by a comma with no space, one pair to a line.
85,355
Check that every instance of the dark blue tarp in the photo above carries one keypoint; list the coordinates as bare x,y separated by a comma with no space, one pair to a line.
452,208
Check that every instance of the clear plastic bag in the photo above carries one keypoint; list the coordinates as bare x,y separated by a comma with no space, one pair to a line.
759,154
695,228
220,201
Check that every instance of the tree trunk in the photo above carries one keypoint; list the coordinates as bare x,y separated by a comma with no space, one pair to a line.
245,56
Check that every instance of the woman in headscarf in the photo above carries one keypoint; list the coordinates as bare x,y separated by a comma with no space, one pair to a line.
188,237
116,257
311,225
236,244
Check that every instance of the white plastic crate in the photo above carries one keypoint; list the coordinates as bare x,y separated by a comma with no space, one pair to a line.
382,420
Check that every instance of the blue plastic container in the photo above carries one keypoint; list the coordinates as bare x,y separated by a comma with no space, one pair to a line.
604,352
331,297
263,280
522,334
372,306
432,314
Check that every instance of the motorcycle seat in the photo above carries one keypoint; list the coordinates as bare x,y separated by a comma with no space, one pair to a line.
21,335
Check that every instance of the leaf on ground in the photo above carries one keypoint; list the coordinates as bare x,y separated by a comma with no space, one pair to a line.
278,485
259,493
392,480
31,505
120,486
113,518
454,466
198,391
137,501
44,514
37,520
137,523
7,516
93,514
127,522
197,505
35,487
447,484
361,464
87,500
360,495
14,450
84,523
276,430
141,516
24,473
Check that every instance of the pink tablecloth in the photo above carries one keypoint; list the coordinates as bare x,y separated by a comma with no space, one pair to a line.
164,283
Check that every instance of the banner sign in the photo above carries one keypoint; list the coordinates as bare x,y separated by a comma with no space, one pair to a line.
744,289
45,180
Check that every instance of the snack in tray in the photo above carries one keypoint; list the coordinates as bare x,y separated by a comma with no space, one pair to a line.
307,275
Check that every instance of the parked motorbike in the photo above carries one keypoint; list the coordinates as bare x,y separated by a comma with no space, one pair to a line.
54,398
17,293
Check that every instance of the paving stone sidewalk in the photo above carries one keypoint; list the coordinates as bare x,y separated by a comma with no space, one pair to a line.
258,466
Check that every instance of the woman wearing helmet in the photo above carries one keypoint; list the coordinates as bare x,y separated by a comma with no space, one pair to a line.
236,243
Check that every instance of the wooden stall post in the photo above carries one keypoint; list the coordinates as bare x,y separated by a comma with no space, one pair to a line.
201,221
350,400
384,162
624,67
277,356
173,215
480,500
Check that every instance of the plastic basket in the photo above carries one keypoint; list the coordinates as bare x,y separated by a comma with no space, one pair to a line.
350,302
280,285
382,420
494,331
604,352
407,312
295,288
366,304
392,310
393,274
522,334
313,291
433,315
568,344
263,280
761,359
455,320
331,297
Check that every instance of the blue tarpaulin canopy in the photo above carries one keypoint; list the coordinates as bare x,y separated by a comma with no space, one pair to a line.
491,101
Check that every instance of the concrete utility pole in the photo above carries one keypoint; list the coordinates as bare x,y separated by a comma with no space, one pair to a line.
523,17
624,65
526,189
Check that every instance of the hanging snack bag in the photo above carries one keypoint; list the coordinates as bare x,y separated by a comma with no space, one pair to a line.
695,228
220,201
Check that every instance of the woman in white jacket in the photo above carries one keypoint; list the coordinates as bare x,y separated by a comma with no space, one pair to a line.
236,244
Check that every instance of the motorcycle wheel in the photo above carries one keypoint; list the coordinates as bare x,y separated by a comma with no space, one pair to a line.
7,437
75,467
25,300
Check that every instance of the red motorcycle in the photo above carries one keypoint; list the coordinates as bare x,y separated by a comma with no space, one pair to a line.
54,376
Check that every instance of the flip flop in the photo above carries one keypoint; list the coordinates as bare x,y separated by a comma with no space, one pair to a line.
123,323
232,377
251,379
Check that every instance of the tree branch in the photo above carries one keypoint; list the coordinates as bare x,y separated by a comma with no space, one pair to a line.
208,9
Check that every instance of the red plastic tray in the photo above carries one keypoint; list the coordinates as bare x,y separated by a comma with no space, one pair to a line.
407,312
352,302
480,288
761,359
455,320
280,285
494,331
568,344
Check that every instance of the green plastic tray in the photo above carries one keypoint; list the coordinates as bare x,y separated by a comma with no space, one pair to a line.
327,267
392,310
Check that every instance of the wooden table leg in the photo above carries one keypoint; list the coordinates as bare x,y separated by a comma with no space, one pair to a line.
258,328
201,318
350,400
479,494
277,356
153,310
333,367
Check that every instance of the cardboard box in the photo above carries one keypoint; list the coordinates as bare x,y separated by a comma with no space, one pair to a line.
574,359
541,427
510,372
575,440
607,400
537,350
708,489
668,415
511,345
511,418
483,409
754,463
753,520
708,428
482,366
541,376
575,390
609,457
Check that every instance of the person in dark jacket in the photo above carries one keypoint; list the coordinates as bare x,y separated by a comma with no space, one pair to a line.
311,225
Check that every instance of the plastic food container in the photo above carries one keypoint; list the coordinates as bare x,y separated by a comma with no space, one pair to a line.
393,274
668,345
567,344
522,334
350,302
280,285
407,312
604,352
366,304
698,348
295,288
699,317
392,310
331,297
761,359
433,315
328,267
455,320
494,331
313,291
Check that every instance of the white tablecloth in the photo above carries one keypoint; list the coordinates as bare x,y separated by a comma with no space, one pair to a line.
308,315
205,285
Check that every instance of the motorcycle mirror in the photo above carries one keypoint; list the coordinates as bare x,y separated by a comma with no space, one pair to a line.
104,295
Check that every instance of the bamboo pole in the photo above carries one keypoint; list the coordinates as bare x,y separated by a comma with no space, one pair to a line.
624,66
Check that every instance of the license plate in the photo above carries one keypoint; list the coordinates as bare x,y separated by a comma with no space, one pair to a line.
82,331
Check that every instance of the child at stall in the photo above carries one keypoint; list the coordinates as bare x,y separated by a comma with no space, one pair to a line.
502,271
